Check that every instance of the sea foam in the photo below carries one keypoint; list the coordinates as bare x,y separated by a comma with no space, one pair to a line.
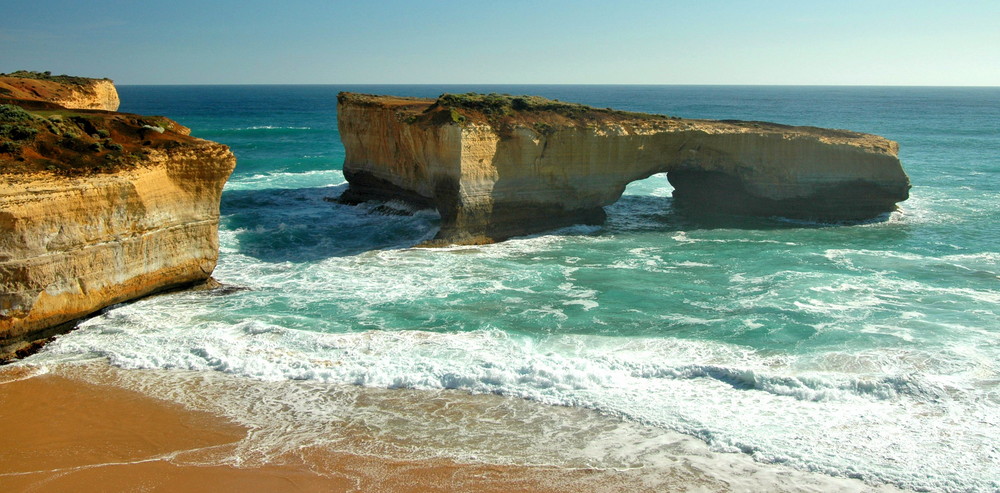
866,350
881,424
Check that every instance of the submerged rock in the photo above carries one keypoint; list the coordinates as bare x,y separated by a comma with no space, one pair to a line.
95,210
500,166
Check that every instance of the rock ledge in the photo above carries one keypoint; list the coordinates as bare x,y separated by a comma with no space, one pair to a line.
497,166
98,208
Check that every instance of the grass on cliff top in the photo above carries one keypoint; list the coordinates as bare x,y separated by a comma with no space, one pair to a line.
504,112
62,79
74,143
13,113
494,104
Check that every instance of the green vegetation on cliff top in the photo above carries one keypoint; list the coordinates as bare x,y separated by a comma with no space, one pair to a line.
503,112
505,104
71,142
495,105
47,76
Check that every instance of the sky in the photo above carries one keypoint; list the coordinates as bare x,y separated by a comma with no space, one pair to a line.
801,42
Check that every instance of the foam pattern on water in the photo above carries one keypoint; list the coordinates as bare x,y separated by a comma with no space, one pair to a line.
779,409
864,350
289,421
837,360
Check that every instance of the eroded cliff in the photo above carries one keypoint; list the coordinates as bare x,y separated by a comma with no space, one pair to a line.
97,208
67,91
500,166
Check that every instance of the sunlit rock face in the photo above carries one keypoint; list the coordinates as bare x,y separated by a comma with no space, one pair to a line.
97,208
501,166
69,92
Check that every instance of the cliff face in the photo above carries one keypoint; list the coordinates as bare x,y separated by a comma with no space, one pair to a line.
71,246
98,208
505,166
384,152
98,95
66,91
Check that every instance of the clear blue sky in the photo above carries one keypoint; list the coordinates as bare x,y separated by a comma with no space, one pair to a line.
873,42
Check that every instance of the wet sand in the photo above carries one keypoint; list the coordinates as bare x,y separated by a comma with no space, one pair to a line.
94,427
61,434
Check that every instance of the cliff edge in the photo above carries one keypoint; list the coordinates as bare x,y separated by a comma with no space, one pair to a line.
97,208
497,166
65,90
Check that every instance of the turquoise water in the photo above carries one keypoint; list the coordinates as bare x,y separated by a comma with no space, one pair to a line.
869,350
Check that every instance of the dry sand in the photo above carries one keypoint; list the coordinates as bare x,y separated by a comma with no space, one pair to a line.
62,434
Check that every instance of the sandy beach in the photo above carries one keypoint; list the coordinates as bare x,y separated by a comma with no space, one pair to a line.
86,428
63,434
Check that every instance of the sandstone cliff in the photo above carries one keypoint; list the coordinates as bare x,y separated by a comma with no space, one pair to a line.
500,166
98,208
67,91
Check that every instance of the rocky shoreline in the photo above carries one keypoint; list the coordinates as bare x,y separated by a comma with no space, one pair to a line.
96,207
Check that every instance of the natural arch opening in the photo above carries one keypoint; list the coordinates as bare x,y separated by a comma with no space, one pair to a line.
493,175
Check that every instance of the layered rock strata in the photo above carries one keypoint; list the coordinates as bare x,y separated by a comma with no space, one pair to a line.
499,166
97,208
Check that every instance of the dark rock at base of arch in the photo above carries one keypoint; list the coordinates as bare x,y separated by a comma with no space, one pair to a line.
715,192
366,187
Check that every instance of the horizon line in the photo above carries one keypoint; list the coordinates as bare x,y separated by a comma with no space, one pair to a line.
545,84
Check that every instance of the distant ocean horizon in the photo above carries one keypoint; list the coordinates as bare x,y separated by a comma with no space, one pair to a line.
867,351
480,87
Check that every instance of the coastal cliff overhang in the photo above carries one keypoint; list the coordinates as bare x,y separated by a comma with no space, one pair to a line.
497,166
97,208
65,90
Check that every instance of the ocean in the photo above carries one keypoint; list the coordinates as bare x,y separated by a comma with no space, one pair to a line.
855,352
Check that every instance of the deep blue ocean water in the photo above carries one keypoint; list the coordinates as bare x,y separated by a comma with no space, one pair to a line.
868,350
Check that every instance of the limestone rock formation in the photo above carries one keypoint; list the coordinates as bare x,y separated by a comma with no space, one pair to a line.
67,91
500,166
97,208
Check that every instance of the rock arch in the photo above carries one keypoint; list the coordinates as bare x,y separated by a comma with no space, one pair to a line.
492,178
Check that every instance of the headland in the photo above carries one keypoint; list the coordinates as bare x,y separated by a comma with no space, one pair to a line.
497,166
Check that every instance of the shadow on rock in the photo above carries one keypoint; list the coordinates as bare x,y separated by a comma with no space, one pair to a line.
301,225
639,213
309,224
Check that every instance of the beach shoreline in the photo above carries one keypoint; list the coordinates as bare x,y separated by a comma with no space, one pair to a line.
69,435
80,428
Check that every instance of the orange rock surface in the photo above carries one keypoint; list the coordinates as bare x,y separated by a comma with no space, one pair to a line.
498,166
97,208
66,91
